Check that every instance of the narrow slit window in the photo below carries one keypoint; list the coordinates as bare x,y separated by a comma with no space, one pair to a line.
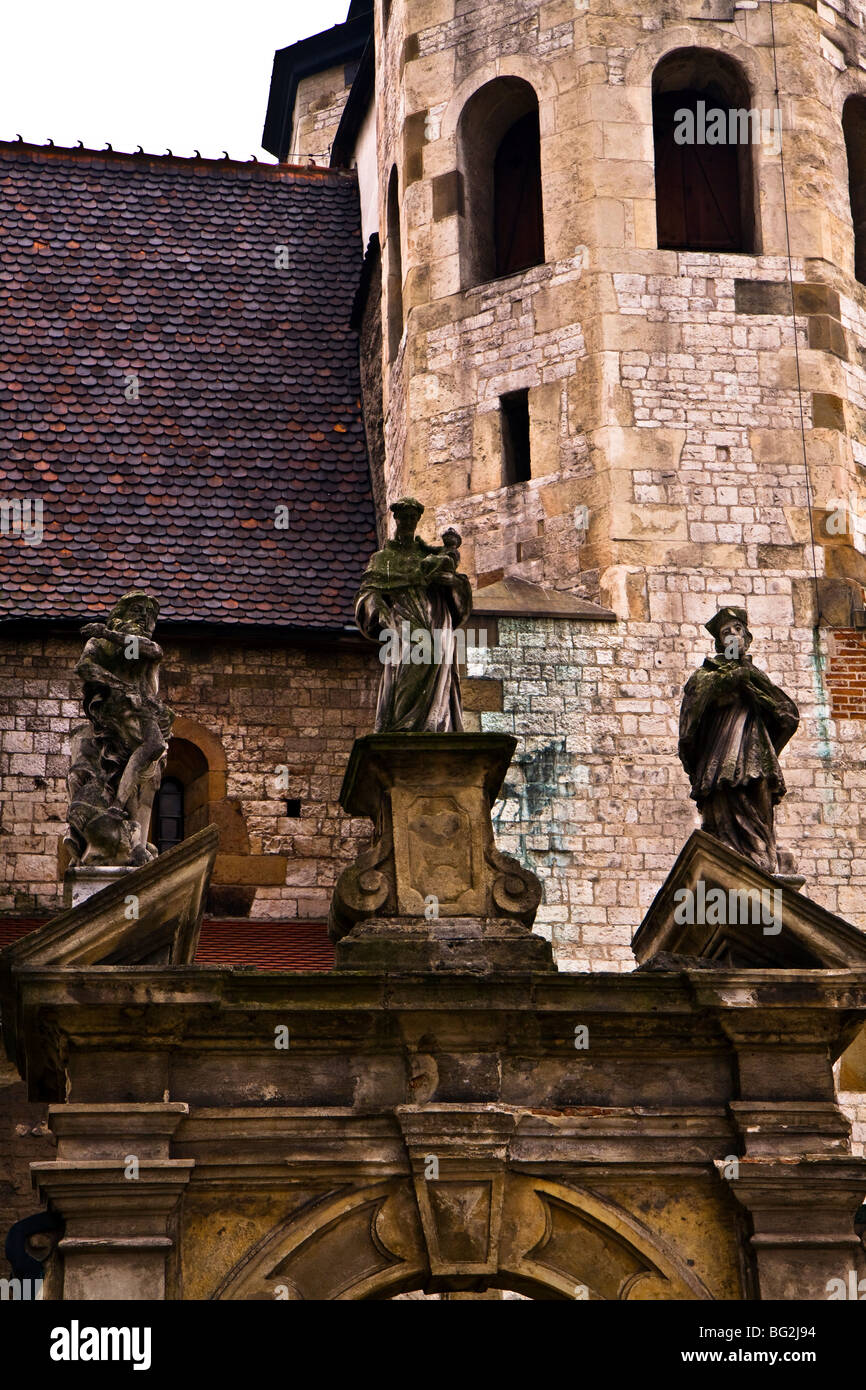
514,415
395,268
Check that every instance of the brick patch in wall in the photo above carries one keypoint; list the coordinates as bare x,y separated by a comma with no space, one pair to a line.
480,694
846,674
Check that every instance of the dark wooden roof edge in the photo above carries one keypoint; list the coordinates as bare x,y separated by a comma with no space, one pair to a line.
356,108
16,627
372,258
339,44
512,597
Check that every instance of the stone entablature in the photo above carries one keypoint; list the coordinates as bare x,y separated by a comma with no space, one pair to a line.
381,1074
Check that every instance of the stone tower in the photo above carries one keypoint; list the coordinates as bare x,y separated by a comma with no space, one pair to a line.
633,340
613,328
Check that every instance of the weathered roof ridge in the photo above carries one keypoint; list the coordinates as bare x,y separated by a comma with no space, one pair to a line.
142,158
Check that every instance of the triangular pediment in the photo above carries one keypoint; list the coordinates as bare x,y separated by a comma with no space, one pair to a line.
520,598
169,895
718,908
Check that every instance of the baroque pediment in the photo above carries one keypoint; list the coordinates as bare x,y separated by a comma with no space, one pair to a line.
718,909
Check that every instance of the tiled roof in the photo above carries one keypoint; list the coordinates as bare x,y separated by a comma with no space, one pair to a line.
13,928
119,266
265,945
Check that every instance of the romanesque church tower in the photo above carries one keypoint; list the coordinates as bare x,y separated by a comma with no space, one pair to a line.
613,328
587,278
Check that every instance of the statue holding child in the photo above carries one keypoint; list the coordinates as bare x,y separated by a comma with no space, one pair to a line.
412,600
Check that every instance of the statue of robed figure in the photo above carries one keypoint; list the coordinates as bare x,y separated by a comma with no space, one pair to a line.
734,723
412,600
117,757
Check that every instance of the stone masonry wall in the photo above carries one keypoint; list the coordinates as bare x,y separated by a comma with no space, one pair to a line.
597,801
319,105
665,402
266,705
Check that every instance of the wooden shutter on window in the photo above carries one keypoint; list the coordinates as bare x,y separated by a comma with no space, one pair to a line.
518,217
697,186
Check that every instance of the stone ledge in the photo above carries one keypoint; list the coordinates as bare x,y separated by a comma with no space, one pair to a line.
465,945
518,598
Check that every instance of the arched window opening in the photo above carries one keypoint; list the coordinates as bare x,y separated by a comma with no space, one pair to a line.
518,226
180,807
854,127
167,814
395,267
499,143
703,134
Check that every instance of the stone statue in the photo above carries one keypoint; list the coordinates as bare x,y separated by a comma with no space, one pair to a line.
412,599
733,724
117,758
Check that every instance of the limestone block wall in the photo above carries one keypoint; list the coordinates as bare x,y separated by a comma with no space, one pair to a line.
252,708
663,388
319,105
597,801
854,1106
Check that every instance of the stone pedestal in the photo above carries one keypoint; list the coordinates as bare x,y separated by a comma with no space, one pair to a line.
81,882
718,909
433,892
486,946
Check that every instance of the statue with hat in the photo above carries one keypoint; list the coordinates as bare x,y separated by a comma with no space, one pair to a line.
117,757
734,723
412,600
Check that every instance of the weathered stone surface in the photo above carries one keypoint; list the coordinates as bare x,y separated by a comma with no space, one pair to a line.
555,1164
81,881
754,919
116,761
412,599
474,946
151,913
434,856
733,724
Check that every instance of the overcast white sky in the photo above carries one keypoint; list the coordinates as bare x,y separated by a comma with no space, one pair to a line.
177,74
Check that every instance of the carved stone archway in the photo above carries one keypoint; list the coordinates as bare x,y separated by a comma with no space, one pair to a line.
552,1242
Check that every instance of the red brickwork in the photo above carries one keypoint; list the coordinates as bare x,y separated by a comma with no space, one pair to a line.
846,674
